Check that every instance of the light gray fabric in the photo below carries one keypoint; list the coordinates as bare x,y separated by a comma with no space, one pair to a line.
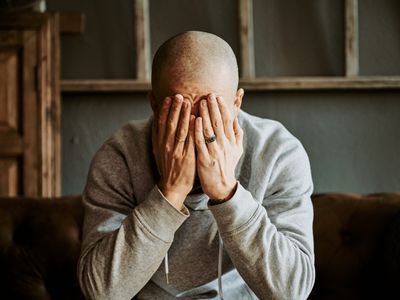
266,227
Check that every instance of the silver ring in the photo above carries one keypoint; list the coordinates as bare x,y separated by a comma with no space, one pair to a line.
210,139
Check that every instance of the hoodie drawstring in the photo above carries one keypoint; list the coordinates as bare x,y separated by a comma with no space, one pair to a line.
166,267
220,253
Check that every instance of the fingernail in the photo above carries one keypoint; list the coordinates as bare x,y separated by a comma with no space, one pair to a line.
219,99
212,98
178,99
167,100
204,102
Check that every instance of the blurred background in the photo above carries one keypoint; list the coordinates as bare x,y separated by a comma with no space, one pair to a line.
352,136
76,71
351,130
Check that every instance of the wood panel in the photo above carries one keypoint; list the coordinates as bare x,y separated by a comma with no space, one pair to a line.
9,38
260,84
30,114
30,105
246,32
71,23
248,77
11,139
18,21
9,98
50,108
55,116
351,36
9,183
142,39
104,85
322,83
11,143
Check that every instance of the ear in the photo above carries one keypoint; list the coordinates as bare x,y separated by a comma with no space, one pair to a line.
153,102
238,101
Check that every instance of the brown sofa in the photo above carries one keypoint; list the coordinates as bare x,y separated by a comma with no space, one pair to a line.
357,247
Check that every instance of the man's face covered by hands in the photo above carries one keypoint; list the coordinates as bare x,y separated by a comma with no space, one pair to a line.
197,140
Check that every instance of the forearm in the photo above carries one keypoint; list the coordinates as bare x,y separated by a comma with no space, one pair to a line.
273,263
121,262
119,265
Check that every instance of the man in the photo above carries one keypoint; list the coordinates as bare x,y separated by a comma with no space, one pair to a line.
201,201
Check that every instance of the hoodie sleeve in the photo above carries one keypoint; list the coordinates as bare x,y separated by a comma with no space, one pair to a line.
270,240
123,243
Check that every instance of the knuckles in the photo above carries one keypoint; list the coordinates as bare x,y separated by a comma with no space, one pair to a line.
229,122
213,162
199,140
208,131
176,156
190,156
171,124
167,149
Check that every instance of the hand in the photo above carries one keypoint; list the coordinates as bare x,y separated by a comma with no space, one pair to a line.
174,149
216,161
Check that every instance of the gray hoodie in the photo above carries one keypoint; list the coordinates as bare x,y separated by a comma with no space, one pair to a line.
259,244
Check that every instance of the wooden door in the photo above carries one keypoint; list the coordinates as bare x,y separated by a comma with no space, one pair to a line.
29,106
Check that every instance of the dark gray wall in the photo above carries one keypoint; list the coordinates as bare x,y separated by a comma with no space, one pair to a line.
106,50
297,38
352,137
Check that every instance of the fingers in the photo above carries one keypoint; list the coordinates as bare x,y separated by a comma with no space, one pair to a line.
208,130
201,147
172,122
238,132
183,129
226,116
190,144
215,116
205,117
162,119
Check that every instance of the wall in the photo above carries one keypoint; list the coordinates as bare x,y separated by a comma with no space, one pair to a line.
352,137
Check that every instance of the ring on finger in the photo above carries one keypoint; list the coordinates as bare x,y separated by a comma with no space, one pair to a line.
210,139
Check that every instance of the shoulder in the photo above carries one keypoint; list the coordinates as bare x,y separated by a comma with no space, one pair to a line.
273,157
132,132
266,135
132,137
124,145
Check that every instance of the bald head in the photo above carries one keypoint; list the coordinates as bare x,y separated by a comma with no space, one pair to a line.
194,56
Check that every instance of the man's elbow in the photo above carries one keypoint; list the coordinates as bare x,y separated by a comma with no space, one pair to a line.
297,284
88,284
302,283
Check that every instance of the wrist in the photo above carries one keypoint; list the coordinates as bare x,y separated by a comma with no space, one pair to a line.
224,196
174,198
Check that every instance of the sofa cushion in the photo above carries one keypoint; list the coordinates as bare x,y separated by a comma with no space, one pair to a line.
357,246
352,235
39,247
